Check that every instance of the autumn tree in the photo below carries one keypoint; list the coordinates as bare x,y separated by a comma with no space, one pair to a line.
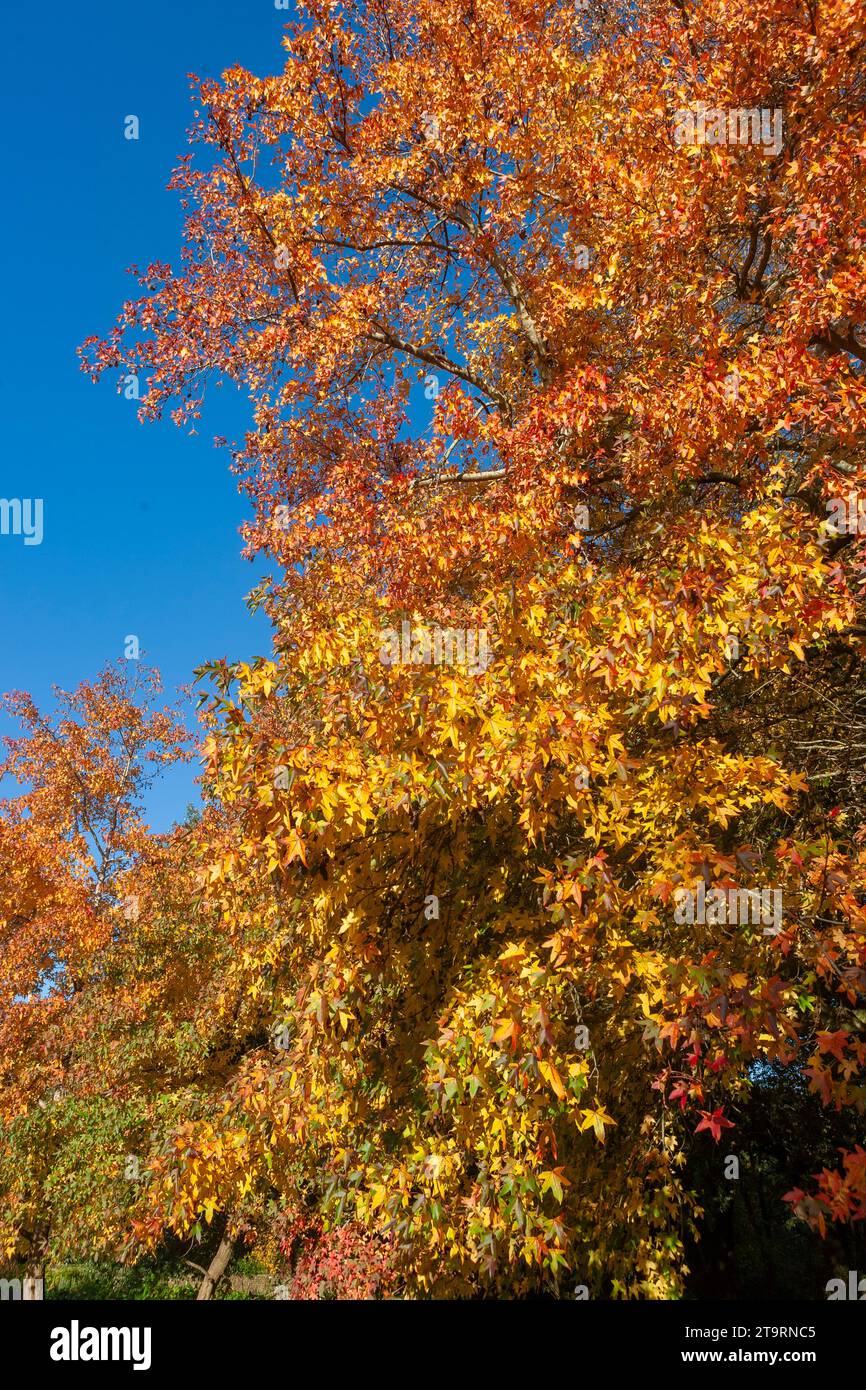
533,362
71,835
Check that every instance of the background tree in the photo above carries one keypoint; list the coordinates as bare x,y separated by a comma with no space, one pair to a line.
69,840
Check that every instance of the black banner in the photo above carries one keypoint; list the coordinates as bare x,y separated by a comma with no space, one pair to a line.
88,1341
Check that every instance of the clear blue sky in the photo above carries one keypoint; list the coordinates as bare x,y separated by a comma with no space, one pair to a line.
140,521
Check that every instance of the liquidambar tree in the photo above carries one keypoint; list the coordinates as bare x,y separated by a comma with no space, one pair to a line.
74,857
540,823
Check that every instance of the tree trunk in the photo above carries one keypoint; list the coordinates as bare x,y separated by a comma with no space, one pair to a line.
216,1269
34,1282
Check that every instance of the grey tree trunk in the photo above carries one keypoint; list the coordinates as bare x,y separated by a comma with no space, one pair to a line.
215,1270
33,1289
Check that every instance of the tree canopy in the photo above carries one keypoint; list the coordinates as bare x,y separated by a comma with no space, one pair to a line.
539,829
